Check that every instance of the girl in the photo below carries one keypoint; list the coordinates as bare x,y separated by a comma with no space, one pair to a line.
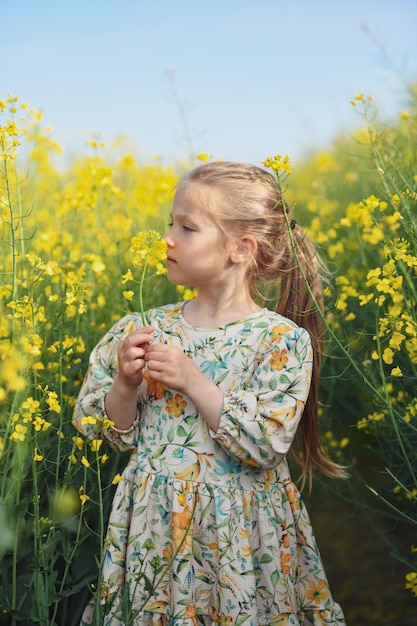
206,526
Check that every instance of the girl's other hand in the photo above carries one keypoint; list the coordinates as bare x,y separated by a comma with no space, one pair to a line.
174,369
170,366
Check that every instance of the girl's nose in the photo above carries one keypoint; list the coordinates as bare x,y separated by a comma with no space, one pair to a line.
168,238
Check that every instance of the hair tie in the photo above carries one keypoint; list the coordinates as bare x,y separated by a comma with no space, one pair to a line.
293,224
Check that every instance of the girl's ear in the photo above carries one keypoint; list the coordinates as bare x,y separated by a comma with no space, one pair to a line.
244,250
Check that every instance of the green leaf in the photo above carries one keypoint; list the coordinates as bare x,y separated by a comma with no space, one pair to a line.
181,431
275,577
266,558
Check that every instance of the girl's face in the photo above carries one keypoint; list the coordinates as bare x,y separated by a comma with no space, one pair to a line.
197,254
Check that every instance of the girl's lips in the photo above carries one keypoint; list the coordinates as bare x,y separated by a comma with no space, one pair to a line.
169,260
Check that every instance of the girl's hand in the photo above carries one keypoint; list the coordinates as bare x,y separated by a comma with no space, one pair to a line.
174,369
131,356
170,366
121,400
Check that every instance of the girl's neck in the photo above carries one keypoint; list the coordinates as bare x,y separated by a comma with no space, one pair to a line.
208,312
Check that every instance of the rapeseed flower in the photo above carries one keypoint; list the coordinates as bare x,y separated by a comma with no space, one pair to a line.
19,433
116,479
278,163
411,582
149,251
36,456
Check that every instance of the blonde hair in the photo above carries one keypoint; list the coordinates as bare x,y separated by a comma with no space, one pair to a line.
245,199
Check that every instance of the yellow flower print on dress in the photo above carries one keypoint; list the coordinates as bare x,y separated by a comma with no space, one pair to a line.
182,523
176,405
285,562
190,610
278,332
279,358
220,618
317,591
155,388
191,472
283,416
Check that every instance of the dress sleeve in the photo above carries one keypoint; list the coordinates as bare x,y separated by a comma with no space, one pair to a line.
259,422
89,415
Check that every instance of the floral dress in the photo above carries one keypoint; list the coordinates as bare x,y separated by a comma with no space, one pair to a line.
207,527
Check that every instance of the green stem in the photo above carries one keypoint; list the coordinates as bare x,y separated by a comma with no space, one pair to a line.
38,557
141,284
12,236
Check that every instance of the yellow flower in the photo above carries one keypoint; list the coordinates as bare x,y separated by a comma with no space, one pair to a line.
148,248
52,402
278,163
396,340
84,498
95,444
19,433
89,419
37,456
31,405
40,423
85,461
126,277
117,478
182,499
175,406
411,583
388,356
128,295
396,371
78,442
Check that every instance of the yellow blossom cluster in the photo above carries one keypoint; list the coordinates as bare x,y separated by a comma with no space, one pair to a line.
278,163
411,582
335,446
31,417
149,248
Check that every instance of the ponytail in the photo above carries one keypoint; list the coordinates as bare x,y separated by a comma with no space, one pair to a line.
301,300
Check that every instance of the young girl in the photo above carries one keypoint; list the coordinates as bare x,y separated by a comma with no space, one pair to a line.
207,526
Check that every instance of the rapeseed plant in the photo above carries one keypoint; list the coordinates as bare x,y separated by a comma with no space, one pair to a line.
63,256
363,211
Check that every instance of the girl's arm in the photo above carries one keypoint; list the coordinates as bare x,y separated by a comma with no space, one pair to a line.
259,422
93,408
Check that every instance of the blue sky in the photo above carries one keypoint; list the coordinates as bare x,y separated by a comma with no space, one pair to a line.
251,78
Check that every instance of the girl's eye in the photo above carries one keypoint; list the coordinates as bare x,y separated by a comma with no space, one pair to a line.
184,227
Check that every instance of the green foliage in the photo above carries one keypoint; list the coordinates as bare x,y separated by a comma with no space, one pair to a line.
359,201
